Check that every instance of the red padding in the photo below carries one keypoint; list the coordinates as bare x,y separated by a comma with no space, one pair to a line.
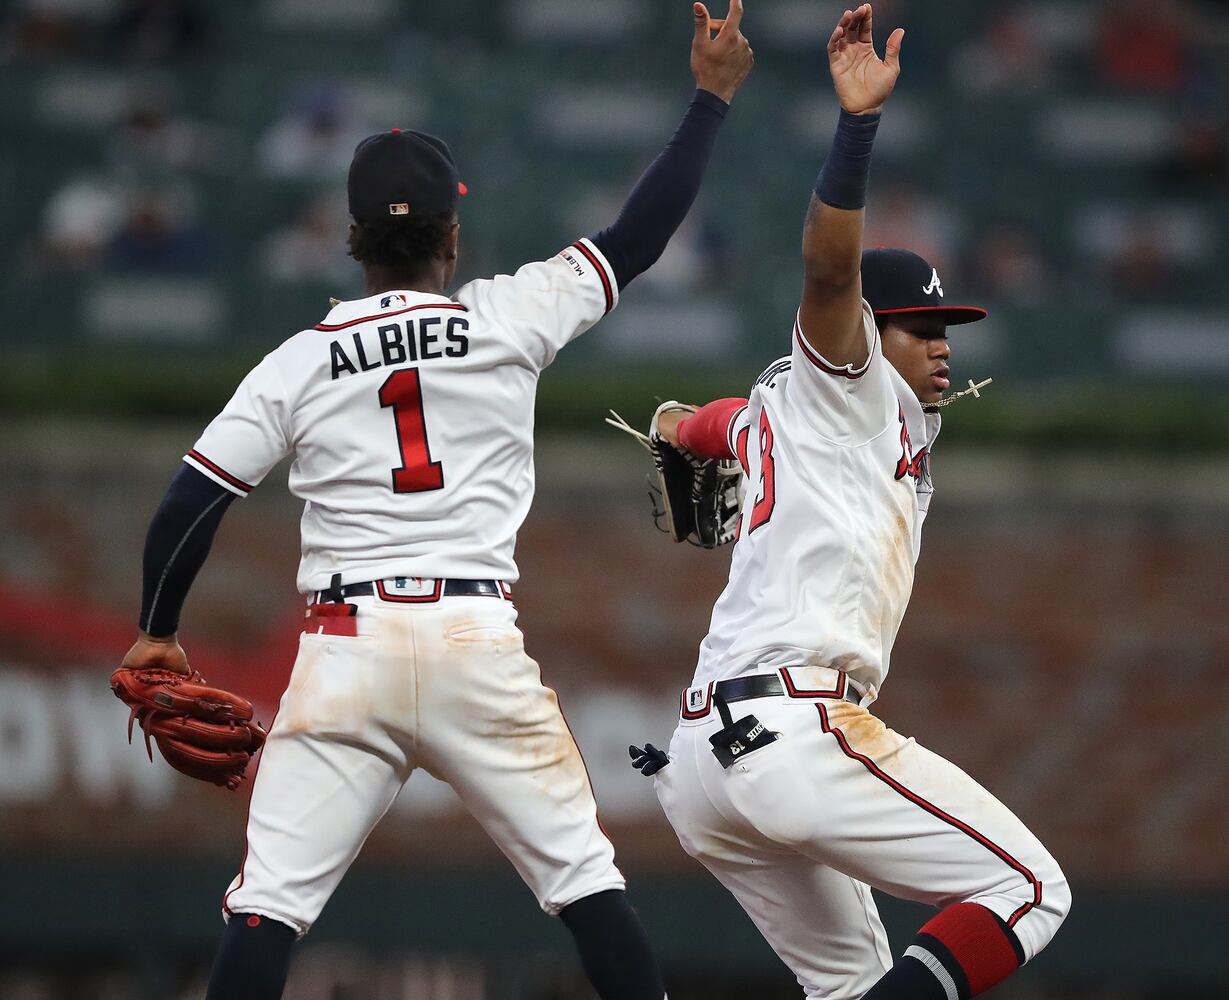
706,432
978,942
332,619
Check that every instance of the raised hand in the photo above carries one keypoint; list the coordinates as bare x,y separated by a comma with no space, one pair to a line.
721,62
862,81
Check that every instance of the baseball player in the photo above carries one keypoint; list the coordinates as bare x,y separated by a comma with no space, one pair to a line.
409,416
778,778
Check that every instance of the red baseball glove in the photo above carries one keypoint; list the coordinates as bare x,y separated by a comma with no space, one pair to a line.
202,731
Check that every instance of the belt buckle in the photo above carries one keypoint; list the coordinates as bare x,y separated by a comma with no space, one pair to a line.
697,701
411,586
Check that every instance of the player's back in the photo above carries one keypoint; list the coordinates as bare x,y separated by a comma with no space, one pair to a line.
410,416
837,488
413,442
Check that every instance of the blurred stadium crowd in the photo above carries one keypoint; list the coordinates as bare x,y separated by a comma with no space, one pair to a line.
177,166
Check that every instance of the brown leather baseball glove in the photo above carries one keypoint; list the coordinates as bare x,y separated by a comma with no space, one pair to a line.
202,731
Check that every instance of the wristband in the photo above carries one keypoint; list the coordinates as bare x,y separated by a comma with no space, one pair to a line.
706,98
842,181
706,432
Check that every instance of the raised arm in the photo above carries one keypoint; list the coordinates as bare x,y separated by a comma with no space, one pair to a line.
665,192
830,315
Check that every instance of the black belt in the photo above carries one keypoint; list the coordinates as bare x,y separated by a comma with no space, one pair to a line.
765,686
451,588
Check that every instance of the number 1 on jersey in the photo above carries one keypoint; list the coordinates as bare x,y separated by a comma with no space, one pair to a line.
402,390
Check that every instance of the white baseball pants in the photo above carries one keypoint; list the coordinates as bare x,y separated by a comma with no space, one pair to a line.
799,829
446,687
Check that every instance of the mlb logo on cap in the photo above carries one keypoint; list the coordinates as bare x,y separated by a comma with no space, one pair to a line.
402,173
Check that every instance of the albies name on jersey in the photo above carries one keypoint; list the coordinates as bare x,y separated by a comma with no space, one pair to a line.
408,340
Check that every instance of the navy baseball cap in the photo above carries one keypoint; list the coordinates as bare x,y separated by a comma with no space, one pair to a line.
899,281
397,173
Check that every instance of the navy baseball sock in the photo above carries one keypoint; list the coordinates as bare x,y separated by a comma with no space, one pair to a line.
908,979
960,953
252,960
614,948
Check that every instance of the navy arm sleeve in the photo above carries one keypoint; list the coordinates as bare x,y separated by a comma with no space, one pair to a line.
176,545
664,194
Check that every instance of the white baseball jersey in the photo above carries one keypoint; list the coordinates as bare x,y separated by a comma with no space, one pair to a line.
800,828
838,486
410,417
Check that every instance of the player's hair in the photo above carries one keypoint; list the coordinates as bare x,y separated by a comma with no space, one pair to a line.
408,243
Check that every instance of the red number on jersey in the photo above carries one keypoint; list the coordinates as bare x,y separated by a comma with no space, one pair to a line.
403,392
762,510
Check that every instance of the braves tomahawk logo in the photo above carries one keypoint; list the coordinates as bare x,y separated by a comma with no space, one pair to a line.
934,285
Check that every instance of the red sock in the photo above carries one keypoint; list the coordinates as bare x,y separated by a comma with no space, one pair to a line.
983,948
